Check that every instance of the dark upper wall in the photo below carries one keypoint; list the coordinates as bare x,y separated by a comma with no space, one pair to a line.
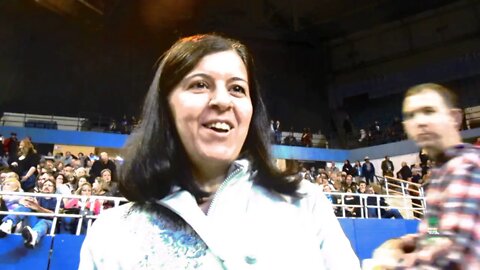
54,65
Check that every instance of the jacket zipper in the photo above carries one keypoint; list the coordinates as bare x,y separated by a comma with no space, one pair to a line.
222,186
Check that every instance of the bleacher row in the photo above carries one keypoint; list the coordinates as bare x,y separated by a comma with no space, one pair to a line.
62,251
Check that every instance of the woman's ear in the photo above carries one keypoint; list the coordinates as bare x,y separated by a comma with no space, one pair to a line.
457,115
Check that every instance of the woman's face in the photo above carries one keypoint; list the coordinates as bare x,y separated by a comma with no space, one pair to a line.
86,190
96,185
59,180
212,109
107,176
80,172
81,181
10,186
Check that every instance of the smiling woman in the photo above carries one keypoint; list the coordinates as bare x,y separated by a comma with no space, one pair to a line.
204,191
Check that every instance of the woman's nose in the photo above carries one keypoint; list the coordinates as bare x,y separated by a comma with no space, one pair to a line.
221,99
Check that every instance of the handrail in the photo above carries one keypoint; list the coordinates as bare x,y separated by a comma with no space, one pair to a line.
57,212
363,206
402,181
83,215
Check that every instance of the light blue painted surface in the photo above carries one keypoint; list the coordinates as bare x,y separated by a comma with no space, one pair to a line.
112,140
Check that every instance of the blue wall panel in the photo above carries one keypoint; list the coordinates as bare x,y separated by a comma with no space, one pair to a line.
364,234
86,138
15,256
371,233
99,139
66,251
349,229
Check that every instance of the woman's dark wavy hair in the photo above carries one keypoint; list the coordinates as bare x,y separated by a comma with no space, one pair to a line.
155,159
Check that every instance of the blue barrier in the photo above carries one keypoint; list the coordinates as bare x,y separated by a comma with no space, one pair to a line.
364,234
66,251
14,256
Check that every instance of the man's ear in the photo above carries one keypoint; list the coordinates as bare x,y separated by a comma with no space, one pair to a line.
457,115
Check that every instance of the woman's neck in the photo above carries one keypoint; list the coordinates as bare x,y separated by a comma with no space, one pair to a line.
209,178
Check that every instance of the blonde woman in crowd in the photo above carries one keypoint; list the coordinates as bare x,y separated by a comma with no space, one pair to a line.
26,164
11,184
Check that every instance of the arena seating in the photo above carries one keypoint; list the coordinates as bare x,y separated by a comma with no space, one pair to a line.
364,235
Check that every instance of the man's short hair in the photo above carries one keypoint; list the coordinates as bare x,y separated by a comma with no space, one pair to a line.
448,96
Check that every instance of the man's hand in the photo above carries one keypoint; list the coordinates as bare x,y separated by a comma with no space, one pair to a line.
30,203
431,251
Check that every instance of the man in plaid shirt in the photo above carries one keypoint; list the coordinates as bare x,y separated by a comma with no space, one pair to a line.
449,235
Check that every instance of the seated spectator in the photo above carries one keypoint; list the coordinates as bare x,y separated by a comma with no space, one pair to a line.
416,173
405,172
81,180
110,186
72,182
37,226
352,202
307,138
347,167
84,204
362,187
40,180
60,181
379,203
337,185
98,187
349,184
290,139
333,199
11,184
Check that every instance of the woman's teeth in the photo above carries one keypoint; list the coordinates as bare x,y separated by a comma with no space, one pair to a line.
220,126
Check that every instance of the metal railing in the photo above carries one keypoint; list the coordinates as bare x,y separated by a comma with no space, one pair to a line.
83,216
363,206
89,216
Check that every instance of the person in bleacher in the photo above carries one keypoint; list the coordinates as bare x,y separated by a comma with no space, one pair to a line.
368,171
25,165
36,227
205,193
10,184
101,164
352,206
387,167
110,186
449,234
77,205
374,204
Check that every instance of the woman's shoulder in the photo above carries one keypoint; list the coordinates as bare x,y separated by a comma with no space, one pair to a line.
308,195
115,213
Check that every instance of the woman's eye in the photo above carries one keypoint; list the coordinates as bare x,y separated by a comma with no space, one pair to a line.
239,89
199,85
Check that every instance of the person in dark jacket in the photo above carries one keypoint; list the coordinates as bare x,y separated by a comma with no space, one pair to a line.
368,171
387,167
101,164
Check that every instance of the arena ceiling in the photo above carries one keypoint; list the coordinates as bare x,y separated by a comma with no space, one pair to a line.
313,20
72,48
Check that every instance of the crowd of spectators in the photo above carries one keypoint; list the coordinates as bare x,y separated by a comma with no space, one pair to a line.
305,140
124,126
376,133
86,175
65,174
357,183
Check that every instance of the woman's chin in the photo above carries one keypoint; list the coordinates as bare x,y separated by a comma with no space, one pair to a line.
221,157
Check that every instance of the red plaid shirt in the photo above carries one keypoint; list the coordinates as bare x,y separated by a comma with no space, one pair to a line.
453,198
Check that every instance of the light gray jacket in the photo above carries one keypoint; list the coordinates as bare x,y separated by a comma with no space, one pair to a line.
246,227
